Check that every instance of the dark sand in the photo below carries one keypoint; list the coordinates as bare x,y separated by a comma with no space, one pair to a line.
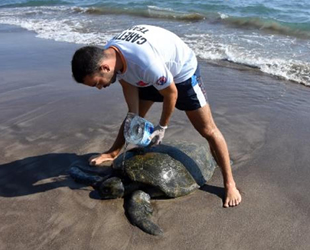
47,121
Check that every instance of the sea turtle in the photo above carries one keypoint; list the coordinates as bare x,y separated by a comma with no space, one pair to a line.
145,173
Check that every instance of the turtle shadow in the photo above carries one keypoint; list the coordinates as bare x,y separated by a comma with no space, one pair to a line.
37,174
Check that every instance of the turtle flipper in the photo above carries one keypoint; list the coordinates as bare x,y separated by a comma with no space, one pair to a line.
139,210
85,178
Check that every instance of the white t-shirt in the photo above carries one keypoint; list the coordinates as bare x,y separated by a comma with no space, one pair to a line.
153,56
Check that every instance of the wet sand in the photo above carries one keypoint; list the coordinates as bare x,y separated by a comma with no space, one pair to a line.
47,121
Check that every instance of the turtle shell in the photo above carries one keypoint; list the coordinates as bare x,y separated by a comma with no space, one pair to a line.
176,171
162,171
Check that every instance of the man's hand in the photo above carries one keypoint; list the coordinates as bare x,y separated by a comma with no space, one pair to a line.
158,135
101,160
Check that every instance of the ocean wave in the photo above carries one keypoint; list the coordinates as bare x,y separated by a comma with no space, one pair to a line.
148,12
276,27
269,25
209,48
281,56
34,3
256,23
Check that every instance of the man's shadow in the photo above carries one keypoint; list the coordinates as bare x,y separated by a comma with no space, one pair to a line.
38,174
42,173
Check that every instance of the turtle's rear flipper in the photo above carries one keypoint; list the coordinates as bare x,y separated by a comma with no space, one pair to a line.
139,210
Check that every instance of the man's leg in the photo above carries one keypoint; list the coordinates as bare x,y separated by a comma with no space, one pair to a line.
203,122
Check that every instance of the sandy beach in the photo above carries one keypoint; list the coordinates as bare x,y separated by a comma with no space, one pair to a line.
47,121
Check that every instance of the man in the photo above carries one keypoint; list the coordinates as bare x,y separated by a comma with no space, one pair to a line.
152,64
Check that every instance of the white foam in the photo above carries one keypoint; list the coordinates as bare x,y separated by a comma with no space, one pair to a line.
64,30
223,16
159,8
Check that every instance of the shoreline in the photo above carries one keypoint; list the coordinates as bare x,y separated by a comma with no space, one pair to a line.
47,121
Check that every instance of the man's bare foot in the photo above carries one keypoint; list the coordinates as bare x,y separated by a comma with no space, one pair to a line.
101,160
233,197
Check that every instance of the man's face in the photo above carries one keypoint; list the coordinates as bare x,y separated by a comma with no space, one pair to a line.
100,80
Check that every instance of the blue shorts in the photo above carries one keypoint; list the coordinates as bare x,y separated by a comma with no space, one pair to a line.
191,93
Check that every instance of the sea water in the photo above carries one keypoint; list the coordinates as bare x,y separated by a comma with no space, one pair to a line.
269,35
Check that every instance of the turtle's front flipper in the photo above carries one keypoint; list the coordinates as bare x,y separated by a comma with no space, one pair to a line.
85,178
139,210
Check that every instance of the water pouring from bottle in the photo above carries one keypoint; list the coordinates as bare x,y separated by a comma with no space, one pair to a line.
137,131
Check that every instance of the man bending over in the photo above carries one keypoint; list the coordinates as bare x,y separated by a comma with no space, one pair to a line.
154,65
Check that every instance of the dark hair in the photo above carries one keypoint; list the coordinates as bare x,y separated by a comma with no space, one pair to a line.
85,62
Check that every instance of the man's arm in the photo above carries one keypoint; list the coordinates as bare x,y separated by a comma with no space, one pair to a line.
131,95
170,95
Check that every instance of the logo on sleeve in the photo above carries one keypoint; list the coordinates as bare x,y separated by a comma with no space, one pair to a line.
141,84
161,81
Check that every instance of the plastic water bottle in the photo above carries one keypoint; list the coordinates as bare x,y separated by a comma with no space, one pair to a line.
137,130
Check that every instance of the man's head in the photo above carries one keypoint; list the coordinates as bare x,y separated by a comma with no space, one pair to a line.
94,67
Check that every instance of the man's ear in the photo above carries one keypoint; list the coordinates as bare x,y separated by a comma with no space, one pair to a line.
104,68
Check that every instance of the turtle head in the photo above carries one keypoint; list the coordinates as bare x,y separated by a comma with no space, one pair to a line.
112,188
